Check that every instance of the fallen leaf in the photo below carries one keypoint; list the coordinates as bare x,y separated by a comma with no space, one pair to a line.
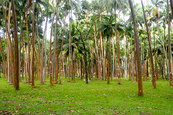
72,110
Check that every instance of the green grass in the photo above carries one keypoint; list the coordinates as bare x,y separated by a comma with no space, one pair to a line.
87,99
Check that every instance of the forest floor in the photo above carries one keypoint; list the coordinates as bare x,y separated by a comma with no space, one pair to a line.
87,99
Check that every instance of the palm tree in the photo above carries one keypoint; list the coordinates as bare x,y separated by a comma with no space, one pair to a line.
33,48
41,59
50,57
149,40
169,46
16,75
140,90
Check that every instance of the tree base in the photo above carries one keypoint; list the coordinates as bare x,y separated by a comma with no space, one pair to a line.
11,84
68,81
55,82
33,86
41,83
73,81
51,84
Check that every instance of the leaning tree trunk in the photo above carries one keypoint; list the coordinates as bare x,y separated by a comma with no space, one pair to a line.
16,62
151,55
140,90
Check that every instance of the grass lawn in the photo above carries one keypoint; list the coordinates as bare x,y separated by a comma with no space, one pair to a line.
87,99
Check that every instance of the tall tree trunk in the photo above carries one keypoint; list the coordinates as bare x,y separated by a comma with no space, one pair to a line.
118,57
10,44
113,64
55,49
97,56
149,40
33,48
38,56
41,58
61,50
100,68
8,51
16,75
69,43
169,45
50,56
140,90
27,28
125,59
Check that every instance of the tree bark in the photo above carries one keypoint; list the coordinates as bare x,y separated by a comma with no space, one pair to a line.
41,58
118,57
16,74
50,54
140,90
33,41
149,40
169,44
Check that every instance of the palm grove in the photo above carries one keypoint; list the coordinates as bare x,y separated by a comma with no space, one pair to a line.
103,40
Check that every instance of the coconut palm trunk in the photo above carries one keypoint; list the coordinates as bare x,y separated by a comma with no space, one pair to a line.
151,55
55,50
33,48
16,62
140,89
50,56
169,45
62,49
41,58
97,56
69,44
118,55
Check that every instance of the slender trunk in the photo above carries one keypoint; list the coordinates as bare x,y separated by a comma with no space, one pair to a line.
16,75
140,90
169,45
113,64
100,68
41,58
73,66
55,51
10,44
8,51
33,48
97,56
69,44
38,56
125,59
61,50
50,57
118,57
149,40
